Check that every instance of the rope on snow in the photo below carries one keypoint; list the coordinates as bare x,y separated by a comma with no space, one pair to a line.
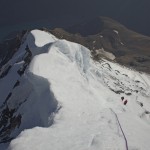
126,143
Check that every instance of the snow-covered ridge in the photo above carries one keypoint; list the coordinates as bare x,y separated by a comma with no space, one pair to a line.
68,101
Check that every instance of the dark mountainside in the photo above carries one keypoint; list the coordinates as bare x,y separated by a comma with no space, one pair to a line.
9,47
130,48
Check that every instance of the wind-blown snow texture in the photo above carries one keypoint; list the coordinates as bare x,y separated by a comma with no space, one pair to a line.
68,102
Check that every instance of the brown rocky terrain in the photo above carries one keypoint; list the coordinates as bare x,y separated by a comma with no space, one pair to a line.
104,34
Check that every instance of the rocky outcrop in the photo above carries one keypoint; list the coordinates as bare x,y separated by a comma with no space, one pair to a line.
9,121
10,46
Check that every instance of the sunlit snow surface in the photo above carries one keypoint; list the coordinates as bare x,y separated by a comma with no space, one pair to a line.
63,83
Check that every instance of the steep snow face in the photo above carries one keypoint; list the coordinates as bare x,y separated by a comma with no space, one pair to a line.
26,99
71,102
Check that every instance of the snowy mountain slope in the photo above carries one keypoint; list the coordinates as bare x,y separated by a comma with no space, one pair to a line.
65,100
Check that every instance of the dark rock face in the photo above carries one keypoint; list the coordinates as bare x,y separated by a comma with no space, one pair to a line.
9,47
8,123
130,48
5,71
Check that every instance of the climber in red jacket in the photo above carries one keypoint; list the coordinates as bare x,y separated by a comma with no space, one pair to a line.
125,102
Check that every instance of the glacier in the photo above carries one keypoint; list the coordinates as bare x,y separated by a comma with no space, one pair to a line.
69,101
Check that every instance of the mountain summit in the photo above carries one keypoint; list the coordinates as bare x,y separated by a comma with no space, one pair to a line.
54,95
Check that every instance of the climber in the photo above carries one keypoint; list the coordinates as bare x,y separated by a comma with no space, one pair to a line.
125,102
122,98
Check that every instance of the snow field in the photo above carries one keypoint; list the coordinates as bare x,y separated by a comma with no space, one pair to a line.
72,97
